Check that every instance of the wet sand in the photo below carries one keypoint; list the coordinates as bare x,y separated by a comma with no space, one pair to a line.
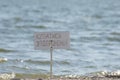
81,78
115,75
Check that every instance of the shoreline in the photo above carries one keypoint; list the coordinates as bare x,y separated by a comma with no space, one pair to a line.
102,75
73,78
81,78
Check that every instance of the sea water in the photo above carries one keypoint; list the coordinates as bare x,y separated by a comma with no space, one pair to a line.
94,27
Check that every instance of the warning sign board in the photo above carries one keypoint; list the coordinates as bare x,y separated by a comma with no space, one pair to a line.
60,40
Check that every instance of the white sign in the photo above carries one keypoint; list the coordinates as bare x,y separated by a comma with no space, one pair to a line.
58,40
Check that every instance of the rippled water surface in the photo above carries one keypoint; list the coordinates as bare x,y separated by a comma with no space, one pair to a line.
94,27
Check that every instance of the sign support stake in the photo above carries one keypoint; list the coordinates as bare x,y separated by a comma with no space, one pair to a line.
51,60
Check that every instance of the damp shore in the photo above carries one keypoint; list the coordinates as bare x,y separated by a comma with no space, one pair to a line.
80,78
90,76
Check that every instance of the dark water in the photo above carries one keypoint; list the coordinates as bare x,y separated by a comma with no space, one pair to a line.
94,27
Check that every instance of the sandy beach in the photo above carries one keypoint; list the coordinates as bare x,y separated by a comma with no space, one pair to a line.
82,78
90,76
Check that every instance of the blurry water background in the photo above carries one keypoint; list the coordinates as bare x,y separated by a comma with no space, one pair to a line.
94,27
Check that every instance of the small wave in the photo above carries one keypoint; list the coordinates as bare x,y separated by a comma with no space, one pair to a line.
63,62
5,50
115,33
65,71
17,19
47,62
97,16
32,26
94,38
4,5
21,68
90,66
39,26
38,62
116,39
